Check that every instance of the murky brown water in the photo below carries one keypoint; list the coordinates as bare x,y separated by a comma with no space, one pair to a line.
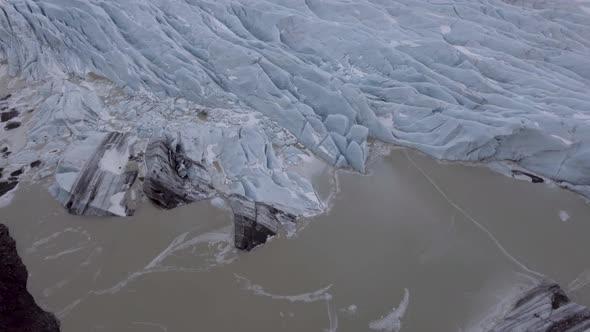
454,240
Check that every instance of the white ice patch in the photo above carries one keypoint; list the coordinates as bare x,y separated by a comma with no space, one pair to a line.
357,72
564,216
65,252
445,29
210,155
218,203
114,161
409,43
392,322
318,295
45,240
315,296
467,52
116,207
565,141
351,309
581,116
332,316
387,121
220,241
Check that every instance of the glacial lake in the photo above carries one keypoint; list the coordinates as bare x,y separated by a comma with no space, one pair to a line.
415,245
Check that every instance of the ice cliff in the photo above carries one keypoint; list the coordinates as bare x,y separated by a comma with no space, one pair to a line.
233,84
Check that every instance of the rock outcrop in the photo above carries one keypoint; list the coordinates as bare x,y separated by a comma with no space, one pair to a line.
172,178
8,115
18,310
534,178
545,308
12,125
255,222
6,186
95,175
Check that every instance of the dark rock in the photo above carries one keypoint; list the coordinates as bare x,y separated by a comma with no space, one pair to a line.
6,186
254,222
437,110
172,178
1,170
534,178
5,116
18,310
35,164
18,172
137,157
545,308
5,97
12,125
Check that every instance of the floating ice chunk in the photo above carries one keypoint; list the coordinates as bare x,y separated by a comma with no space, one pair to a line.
564,216
351,309
89,183
317,295
392,321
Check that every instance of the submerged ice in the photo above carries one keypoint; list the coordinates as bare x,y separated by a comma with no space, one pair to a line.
212,96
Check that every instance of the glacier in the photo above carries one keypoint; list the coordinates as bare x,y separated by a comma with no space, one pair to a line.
238,86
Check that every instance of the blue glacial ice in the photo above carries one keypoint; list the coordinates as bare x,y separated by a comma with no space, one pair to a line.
237,81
